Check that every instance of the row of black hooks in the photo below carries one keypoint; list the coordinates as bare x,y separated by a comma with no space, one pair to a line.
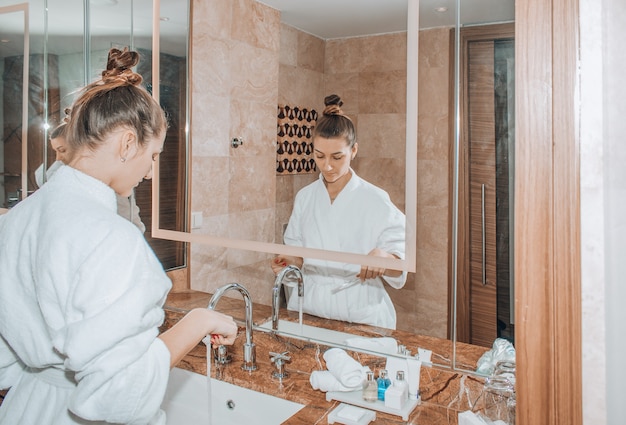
293,147
292,130
296,113
295,165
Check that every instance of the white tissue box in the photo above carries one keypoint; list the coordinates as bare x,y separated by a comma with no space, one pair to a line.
351,415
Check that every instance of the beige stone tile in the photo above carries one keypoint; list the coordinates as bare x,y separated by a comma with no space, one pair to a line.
432,229
212,17
256,24
211,68
383,53
210,128
300,87
434,48
310,52
254,225
382,92
288,54
254,123
386,173
209,187
432,183
434,138
254,73
252,183
433,94
342,56
382,136
283,212
285,190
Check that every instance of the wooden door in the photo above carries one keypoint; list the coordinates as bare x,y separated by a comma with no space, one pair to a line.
480,191
481,153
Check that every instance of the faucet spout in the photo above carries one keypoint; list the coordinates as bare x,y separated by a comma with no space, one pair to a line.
286,271
249,350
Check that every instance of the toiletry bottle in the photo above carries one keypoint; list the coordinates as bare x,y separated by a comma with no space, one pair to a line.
383,383
397,394
370,388
402,385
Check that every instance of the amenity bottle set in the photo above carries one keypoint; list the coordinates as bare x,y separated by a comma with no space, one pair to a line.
395,395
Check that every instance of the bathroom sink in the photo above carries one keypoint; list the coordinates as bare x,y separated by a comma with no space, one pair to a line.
186,402
308,333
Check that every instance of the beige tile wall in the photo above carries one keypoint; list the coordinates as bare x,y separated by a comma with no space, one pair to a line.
240,73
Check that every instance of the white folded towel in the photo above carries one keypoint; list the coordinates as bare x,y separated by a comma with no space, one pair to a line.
348,371
385,345
325,381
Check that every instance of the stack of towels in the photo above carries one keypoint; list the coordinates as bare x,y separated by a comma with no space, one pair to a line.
343,374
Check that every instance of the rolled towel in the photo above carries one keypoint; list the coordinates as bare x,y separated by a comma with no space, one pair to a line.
325,381
348,371
385,345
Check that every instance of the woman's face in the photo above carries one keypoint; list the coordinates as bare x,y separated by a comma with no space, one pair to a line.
58,145
139,166
332,157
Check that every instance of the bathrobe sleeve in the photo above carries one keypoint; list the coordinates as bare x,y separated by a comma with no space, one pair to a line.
109,339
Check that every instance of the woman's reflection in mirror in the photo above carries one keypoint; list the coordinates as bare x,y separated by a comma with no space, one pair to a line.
126,205
342,212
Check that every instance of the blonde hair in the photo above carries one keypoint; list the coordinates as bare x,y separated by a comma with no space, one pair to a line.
116,100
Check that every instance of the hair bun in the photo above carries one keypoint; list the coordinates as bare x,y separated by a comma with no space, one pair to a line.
333,105
119,67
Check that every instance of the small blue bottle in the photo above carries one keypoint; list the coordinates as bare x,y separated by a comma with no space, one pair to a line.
383,382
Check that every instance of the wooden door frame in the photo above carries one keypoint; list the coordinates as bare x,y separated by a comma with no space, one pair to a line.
547,213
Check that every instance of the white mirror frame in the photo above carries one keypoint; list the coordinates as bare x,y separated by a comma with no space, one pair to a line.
408,263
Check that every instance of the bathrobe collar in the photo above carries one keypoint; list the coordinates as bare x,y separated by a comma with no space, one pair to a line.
87,184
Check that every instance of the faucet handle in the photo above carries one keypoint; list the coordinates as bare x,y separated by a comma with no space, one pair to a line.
279,356
279,359
221,355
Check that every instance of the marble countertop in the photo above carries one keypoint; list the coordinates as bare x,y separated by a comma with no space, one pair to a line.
444,392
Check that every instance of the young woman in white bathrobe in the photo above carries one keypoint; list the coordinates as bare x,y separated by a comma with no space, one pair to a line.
81,292
342,212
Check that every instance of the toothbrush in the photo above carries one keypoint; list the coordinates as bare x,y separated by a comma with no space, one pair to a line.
345,285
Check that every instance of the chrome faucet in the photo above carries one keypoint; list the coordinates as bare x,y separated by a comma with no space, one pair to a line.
289,270
249,350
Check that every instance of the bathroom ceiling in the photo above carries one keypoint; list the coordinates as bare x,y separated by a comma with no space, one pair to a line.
326,19
349,18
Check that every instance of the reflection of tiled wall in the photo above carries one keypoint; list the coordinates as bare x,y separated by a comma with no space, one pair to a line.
301,82
235,84
433,168
242,72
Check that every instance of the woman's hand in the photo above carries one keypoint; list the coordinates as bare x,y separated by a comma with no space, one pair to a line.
181,338
281,261
224,329
370,272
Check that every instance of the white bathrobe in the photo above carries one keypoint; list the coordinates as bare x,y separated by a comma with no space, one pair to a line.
81,296
126,205
361,218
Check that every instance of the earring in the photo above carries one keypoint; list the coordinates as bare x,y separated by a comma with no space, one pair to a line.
123,159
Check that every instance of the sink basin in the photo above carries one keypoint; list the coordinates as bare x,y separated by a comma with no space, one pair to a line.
186,402
309,333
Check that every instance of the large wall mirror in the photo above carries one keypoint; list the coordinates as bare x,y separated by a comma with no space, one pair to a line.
250,59
53,49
